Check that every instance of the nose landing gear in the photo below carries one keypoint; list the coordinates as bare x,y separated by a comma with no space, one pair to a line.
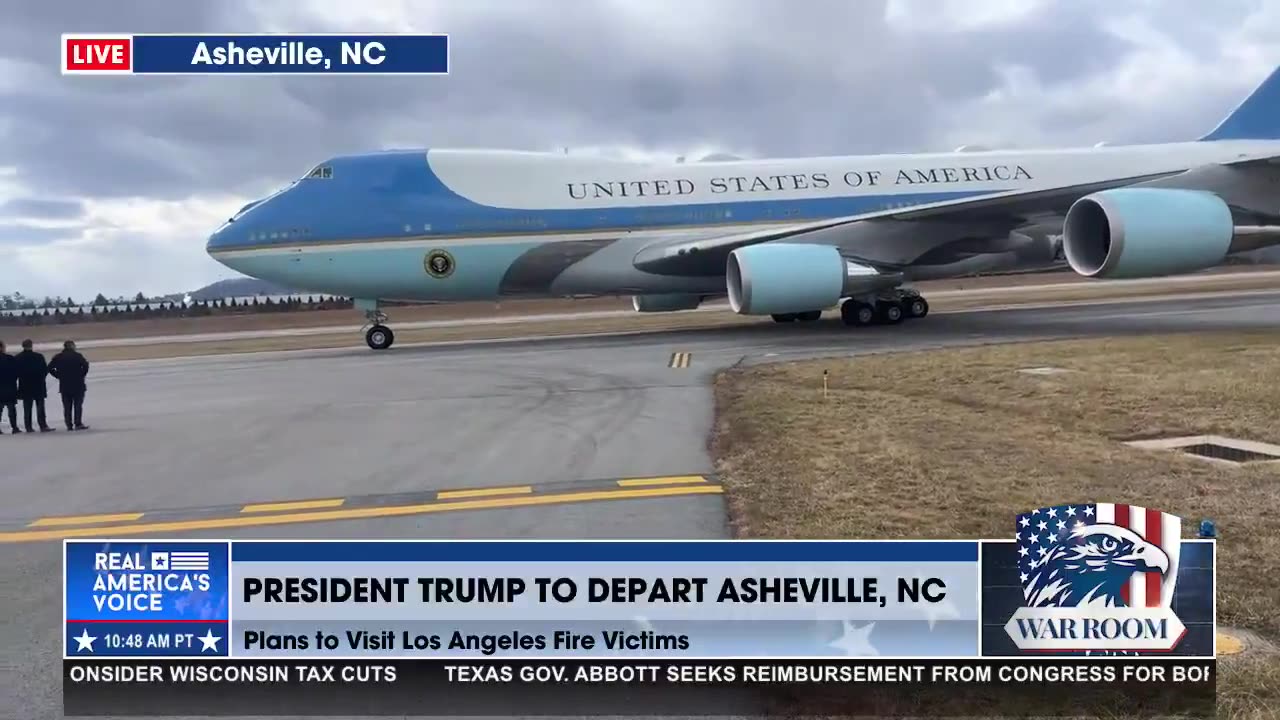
378,336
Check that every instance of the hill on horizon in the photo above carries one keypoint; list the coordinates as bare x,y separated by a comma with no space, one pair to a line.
240,287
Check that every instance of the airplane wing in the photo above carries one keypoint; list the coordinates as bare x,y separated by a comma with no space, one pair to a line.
705,253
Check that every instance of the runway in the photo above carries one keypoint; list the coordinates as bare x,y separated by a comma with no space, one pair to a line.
191,443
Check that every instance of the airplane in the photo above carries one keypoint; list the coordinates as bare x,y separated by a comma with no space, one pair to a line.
786,238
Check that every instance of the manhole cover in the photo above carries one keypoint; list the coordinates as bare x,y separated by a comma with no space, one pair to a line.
1043,371
1222,450
1225,452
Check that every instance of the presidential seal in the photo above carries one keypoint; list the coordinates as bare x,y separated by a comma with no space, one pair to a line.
438,264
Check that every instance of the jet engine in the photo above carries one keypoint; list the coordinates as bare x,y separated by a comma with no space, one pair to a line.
665,302
781,278
1147,232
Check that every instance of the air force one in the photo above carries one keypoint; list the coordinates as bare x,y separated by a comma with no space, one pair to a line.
787,238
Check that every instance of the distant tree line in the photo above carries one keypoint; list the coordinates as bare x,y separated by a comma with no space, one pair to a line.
63,312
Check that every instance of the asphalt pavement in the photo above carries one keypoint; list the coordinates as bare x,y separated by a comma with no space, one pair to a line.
558,438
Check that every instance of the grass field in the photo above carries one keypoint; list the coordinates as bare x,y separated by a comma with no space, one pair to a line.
905,443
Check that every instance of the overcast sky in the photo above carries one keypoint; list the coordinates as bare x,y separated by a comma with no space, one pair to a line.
113,184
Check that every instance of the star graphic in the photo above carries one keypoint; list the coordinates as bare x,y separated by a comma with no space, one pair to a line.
1043,525
209,641
1053,512
1088,512
854,641
1024,522
1071,511
935,611
84,641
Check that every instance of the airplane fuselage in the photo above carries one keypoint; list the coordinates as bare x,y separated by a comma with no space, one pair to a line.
450,225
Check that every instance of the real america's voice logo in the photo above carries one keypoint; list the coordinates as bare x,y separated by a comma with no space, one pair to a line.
1097,578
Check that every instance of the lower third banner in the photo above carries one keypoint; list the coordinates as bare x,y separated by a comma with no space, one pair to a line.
461,688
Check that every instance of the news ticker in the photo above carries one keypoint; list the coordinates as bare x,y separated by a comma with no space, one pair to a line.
635,600
1183,687
254,54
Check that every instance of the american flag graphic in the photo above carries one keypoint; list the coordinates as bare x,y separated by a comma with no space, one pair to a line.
1040,531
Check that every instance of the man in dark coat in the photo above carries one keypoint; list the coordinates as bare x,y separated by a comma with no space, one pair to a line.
9,387
70,368
32,370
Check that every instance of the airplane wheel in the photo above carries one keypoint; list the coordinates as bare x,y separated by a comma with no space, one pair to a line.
890,313
857,313
379,337
810,316
916,307
785,318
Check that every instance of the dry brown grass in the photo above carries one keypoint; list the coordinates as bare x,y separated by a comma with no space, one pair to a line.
904,442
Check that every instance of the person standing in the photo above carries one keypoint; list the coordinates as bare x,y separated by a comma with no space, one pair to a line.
71,368
32,370
9,387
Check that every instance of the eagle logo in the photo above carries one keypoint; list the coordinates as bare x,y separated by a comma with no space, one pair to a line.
1097,578
1092,565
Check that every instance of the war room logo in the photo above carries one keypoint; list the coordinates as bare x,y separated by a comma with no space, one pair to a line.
1097,578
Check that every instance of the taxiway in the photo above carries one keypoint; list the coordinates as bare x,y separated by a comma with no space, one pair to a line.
190,443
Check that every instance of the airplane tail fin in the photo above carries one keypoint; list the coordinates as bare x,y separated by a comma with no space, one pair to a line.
1257,118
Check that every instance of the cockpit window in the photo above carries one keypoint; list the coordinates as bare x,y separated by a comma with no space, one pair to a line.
323,172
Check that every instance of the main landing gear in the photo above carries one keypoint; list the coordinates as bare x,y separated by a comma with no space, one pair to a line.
885,309
378,336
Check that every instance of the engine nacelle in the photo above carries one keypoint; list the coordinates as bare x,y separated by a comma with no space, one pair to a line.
1146,232
666,302
778,278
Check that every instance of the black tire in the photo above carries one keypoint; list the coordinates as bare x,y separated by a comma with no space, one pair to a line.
810,316
915,307
857,314
890,313
379,337
784,318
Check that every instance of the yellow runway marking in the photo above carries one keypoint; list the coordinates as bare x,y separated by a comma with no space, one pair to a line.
484,492
680,360
84,519
649,482
243,521
295,505
1229,645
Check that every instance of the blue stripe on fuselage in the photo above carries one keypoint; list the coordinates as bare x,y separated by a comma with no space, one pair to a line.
395,194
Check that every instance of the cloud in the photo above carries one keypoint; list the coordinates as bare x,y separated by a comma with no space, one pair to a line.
42,208
629,77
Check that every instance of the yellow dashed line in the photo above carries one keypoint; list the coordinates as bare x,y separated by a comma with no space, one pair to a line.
295,505
360,513
674,480
84,519
484,492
